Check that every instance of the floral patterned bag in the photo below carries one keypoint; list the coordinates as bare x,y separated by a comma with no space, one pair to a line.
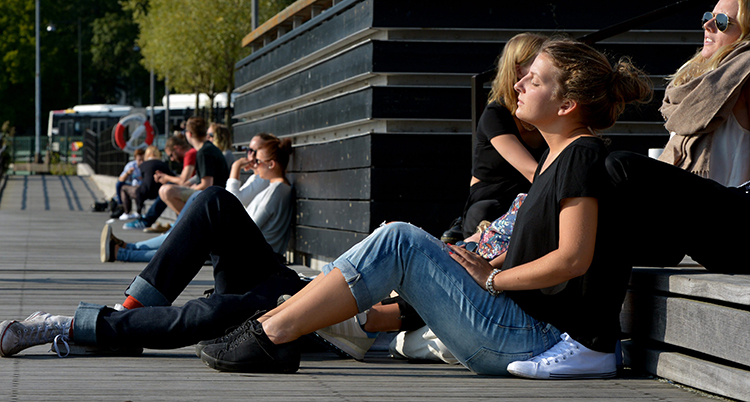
494,240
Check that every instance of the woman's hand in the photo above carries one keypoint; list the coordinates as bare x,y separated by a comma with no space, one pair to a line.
475,265
244,163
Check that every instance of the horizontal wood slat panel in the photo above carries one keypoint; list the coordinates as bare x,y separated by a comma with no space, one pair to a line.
695,325
325,242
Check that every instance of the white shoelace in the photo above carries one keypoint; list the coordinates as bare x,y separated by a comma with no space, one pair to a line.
56,348
560,351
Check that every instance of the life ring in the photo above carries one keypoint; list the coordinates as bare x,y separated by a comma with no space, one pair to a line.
143,125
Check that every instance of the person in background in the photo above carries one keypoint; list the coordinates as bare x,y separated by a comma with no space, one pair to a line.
221,137
178,150
210,166
130,177
507,149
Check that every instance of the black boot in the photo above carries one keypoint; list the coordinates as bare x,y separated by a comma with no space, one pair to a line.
252,352
455,233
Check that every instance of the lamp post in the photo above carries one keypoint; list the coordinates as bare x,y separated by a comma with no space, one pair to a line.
38,92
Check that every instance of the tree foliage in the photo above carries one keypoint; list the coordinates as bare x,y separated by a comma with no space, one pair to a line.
115,75
196,43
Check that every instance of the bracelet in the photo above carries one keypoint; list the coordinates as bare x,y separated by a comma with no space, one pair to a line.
490,285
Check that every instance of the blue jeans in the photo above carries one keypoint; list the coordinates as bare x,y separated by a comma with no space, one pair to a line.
485,333
144,251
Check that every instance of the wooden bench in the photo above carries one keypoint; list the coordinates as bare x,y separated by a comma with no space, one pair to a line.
690,326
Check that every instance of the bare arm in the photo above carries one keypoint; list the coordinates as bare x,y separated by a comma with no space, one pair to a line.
206,182
124,176
180,180
238,166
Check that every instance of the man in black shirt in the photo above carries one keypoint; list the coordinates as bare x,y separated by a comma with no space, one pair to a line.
210,166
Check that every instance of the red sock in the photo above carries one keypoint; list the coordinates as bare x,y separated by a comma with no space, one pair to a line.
131,303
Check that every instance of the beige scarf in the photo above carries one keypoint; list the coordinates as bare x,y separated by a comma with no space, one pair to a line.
695,110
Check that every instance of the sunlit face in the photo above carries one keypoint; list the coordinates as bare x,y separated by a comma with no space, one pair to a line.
175,154
537,102
713,39
261,164
139,159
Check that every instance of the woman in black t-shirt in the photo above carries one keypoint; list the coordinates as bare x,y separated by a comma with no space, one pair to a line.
506,150
559,279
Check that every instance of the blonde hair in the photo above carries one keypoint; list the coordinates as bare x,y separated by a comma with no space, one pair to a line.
699,65
600,90
222,136
152,152
519,51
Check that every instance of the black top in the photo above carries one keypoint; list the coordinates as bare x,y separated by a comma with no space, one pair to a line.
149,189
488,165
210,162
586,307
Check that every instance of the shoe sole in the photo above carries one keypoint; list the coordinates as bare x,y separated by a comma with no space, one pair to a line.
244,367
104,243
3,330
553,376
340,346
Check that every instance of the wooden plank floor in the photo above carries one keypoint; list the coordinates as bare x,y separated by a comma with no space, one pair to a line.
49,260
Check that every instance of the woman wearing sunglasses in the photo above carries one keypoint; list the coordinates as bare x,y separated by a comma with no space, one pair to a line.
267,192
563,272
507,150
707,102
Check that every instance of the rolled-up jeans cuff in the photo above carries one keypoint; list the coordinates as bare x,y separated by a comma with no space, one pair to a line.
84,322
355,281
146,293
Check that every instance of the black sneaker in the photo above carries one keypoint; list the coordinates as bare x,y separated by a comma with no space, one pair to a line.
253,352
455,233
232,332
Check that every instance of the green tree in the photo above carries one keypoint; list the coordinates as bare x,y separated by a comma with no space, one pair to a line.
102,82
196,43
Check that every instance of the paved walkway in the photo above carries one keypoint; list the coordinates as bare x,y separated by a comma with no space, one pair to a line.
49,260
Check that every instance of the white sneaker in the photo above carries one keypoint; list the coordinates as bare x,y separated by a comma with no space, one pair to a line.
568,359
348,337
39,328
127,217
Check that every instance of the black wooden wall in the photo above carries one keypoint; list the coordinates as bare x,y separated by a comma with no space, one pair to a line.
376,96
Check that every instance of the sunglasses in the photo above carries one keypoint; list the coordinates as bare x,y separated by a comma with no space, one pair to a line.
722,20
259,161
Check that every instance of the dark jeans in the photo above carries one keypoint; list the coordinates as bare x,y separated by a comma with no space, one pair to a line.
247,274
154,211
671,212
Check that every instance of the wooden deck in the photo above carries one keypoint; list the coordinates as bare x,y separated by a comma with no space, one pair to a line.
49,261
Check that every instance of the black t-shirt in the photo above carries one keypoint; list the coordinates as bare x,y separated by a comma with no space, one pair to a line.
149,189
488,166
210,162
586,307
